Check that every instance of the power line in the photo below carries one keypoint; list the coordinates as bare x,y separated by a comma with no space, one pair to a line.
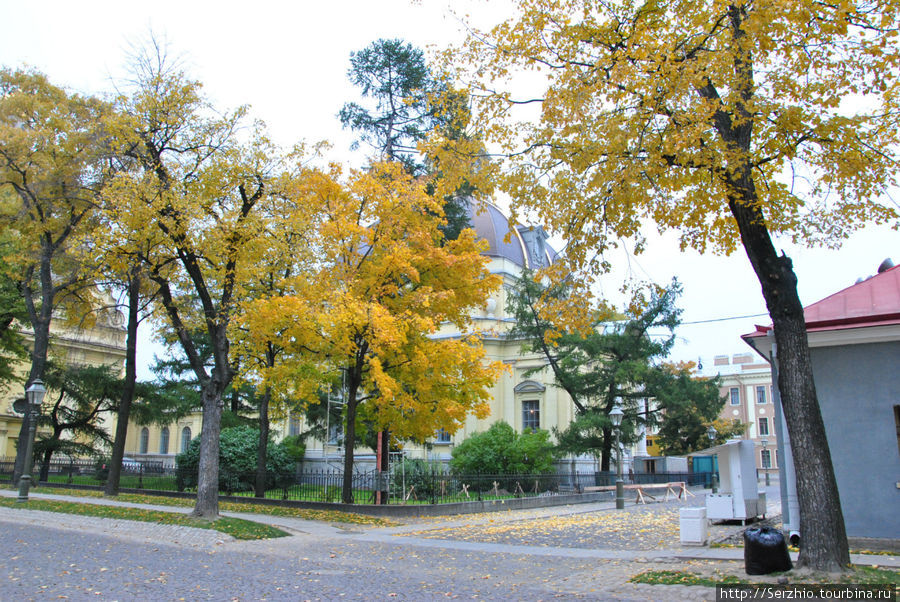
723,319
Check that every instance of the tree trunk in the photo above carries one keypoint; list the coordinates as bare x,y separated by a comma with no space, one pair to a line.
382,464
262,450
118,450
38,367
349,440
606,451
40,325
207,505
45,467
823,543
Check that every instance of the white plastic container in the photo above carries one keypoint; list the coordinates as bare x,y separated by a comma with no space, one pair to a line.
694,526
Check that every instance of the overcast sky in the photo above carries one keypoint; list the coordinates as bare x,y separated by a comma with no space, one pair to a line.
288,60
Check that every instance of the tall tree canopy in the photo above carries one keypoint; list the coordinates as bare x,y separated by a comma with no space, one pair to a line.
365,312
616,359
52,167
394,75
285,249
730,121
193,185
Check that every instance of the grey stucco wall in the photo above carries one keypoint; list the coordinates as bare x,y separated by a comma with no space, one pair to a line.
858,387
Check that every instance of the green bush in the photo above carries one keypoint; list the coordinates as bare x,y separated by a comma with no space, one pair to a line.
500,450
414,473
101,469
295,447
237,462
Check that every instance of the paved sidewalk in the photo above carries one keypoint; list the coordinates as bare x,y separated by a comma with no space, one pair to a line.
583,531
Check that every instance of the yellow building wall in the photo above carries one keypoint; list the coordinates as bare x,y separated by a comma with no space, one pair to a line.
102,344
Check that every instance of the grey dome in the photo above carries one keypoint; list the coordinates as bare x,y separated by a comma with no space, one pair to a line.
527,246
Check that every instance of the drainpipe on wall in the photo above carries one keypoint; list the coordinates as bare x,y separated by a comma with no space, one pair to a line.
790,505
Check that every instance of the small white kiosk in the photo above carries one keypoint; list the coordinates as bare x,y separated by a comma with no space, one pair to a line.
738,497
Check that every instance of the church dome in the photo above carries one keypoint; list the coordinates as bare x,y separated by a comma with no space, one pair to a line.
527,245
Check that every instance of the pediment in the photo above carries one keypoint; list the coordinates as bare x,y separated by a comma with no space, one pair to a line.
530,386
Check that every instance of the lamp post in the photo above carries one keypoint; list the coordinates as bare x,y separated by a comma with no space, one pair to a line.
34,396
714,482
616,418
766,461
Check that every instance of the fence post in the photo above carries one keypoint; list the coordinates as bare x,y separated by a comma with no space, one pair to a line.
141,477
433,485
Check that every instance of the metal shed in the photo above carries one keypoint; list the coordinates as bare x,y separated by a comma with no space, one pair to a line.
738,497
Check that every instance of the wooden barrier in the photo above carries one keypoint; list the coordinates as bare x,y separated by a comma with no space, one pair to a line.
677,489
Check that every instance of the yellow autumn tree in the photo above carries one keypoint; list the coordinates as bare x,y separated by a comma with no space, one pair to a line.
186,201
730,121
52,167
367,311
283,251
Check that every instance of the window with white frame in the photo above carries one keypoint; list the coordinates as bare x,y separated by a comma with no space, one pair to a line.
294,426
761,394
766,458
735,394
442,436
145,440
531,415
185,438
164,440
763,426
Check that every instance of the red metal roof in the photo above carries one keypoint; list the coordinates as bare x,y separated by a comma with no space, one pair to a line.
872,302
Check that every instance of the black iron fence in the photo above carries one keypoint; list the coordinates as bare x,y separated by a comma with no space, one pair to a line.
608,478
89,471
434,486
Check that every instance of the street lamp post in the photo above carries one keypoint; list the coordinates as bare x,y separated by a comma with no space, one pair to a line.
765,444
34,396
616,417
714,482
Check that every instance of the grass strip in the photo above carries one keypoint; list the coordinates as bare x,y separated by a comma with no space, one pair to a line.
332,516
684,578
857,575
236,527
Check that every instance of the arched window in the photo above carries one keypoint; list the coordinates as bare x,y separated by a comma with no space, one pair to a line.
164,440
145,440
185,438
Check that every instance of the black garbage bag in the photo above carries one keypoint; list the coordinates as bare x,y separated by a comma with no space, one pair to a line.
765,551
